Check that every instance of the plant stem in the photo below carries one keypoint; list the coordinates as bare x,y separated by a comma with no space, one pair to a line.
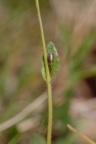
49,133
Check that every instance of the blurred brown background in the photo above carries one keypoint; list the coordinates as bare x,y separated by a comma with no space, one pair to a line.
71,26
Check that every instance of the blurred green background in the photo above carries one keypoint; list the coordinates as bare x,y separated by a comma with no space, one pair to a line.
71,26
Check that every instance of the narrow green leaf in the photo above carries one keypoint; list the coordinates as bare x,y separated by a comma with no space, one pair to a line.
53,66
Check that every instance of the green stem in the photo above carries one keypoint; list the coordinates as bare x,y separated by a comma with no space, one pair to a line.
49,133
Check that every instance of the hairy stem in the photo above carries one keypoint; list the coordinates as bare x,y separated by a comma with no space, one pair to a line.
49,133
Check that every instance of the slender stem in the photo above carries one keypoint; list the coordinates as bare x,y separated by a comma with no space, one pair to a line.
43,40
49,133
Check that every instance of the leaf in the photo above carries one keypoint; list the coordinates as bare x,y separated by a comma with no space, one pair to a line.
37,139
53,67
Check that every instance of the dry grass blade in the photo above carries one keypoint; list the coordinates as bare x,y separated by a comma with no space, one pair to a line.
24,113
88,140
